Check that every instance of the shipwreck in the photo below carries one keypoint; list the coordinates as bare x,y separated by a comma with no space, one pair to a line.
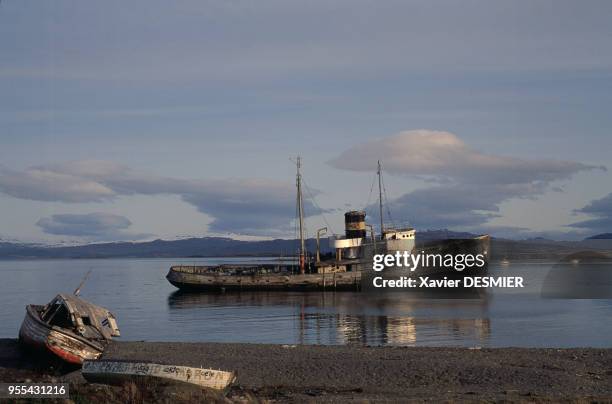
69,327
349,270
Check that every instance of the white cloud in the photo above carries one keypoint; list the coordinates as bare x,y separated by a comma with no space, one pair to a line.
471,184
241,206
443,156
41,184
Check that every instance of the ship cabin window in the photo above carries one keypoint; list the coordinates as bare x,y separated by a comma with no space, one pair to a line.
57,314
50,311
86,320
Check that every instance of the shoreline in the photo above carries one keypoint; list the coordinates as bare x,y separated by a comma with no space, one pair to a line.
358,373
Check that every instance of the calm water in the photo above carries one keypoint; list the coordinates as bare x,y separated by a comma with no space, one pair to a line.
149,308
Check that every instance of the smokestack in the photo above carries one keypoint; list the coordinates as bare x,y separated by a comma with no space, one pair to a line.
354,224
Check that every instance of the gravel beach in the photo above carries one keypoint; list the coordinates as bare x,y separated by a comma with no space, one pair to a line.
354,373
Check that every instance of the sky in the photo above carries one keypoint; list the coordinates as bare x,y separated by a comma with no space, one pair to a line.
154,119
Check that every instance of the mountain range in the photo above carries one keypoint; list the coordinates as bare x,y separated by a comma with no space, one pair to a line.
227,247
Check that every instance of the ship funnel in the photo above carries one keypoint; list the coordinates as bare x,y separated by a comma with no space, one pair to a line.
354,224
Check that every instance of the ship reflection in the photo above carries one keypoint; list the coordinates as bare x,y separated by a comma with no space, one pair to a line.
357,318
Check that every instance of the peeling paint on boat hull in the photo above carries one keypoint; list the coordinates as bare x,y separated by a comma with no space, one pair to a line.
197,278
72,349
118,372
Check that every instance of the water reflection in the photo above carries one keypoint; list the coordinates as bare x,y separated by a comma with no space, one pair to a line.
355,318
148,308
581,275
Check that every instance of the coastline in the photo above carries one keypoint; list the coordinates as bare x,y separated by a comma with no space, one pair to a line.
355,373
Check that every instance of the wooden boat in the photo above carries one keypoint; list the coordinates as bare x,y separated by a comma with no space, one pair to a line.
69,327
118,372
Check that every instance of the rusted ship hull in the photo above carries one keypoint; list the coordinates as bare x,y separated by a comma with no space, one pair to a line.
201,279
436,269
67,346
217,279
473,246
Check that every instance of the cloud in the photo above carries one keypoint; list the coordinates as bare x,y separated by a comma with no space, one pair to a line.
191,40
446,207
458,205
470,185
602,210
443,156
246,206
92,226
240,206
40,184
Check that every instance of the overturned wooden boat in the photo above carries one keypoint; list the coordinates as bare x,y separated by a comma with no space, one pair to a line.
119,372
69,327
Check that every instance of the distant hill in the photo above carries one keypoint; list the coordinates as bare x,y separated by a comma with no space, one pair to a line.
190,247
427,235
227,247
603,236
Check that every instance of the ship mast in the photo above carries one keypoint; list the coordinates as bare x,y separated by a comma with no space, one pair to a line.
380,201
300,207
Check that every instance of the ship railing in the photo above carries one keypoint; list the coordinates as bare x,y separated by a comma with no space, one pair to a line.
234,269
